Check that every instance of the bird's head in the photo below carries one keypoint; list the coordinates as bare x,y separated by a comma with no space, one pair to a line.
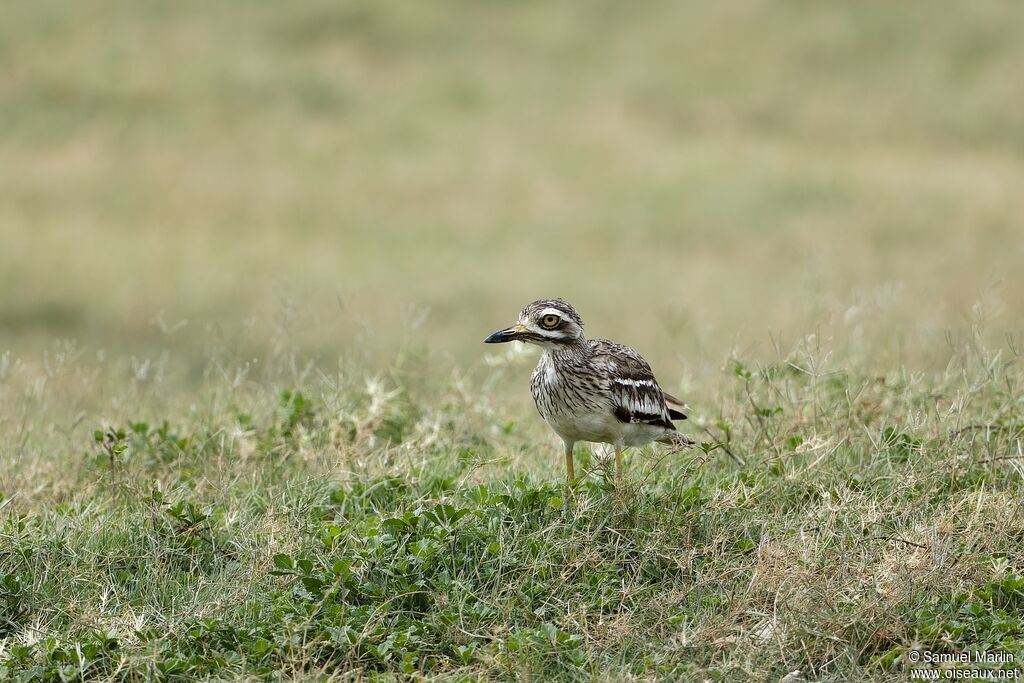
550,323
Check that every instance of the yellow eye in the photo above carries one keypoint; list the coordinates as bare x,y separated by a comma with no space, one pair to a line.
549,321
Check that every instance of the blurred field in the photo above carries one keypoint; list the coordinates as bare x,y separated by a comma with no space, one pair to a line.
256,246
690,176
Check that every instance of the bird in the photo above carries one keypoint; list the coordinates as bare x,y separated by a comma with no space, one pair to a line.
592,390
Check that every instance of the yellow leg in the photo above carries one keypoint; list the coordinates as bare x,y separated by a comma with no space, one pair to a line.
620,489
569,471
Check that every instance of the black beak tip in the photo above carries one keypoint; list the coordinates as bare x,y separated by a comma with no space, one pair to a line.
499,337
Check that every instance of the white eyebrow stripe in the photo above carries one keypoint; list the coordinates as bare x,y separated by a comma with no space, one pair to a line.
552,311
546,333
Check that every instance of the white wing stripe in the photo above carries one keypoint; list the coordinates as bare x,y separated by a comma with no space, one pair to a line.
634,382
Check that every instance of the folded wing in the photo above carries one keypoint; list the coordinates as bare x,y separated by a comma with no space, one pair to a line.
633,390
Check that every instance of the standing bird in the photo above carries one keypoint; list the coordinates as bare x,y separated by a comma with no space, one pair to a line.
592,389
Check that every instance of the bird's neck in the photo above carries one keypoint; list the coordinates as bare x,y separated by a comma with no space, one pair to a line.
568,351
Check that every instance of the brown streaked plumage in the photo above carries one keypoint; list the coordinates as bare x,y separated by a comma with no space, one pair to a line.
592,389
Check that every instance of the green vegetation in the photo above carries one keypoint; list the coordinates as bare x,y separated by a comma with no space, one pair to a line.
248,252
346,529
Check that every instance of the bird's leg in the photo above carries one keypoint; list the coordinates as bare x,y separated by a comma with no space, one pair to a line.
569,471
620,490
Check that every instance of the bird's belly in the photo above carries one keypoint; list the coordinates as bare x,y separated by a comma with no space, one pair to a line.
595,427
604,428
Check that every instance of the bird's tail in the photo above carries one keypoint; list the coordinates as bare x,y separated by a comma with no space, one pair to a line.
675,407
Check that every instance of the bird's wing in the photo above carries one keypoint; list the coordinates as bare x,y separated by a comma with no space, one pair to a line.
635,394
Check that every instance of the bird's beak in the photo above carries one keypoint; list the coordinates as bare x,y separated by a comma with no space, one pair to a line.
506,335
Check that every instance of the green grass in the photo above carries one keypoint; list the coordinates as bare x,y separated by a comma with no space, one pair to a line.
249,250
345,530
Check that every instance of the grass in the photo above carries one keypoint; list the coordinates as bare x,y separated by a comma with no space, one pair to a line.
344,530
248,252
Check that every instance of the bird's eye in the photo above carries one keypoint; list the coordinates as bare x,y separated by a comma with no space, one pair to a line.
549,321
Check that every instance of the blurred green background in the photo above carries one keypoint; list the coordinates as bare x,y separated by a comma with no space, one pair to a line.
352,177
